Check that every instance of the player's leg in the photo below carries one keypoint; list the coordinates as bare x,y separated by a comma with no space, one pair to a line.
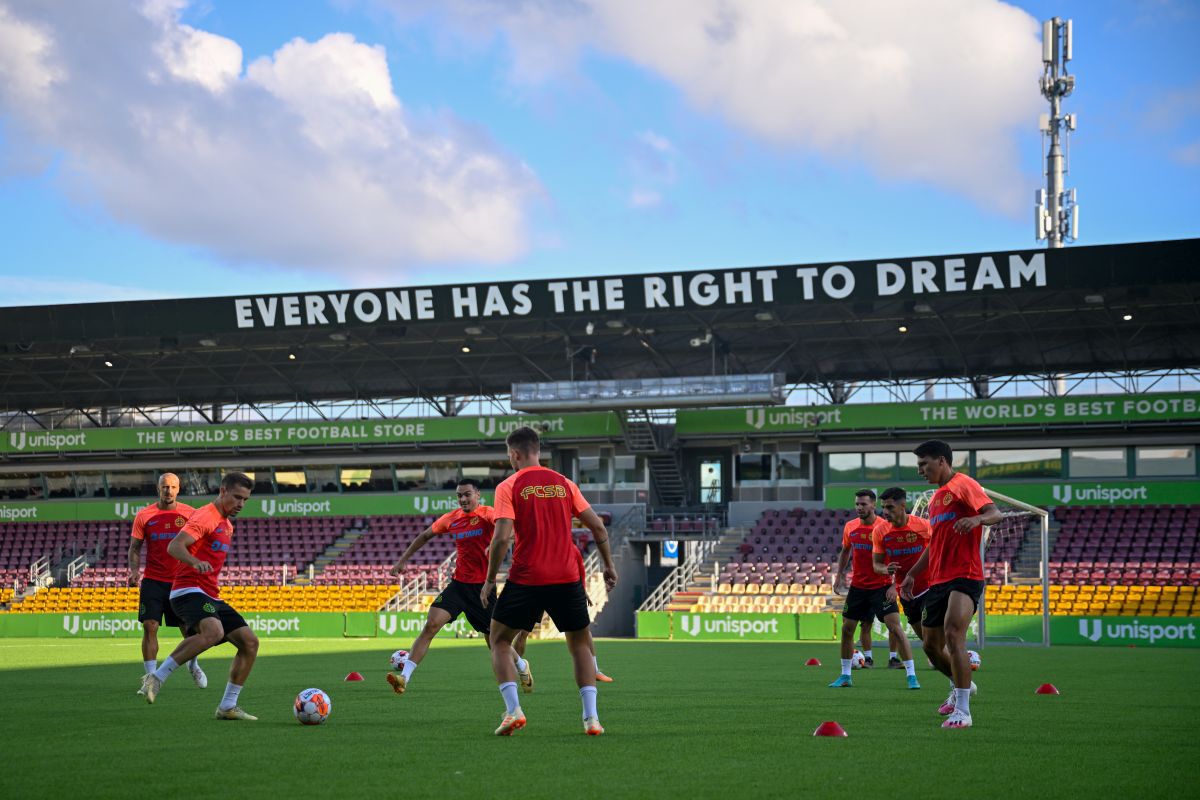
903,649
246,643
208,632
894,649
600,676
170,618
960,608
518,608
567,605
849,625
501,639
524,671
865,643
437,619
150,645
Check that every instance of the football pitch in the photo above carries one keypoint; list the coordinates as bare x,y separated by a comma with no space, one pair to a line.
683,720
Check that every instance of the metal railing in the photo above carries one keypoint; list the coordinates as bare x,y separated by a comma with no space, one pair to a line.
39,572
682,576
76,568
408,598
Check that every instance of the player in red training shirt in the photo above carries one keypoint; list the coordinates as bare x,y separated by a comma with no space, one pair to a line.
867,598
536,506
155,526
896,547
953,567
201,548
470,527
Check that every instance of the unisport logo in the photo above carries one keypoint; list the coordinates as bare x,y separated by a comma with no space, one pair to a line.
756,418
1096,632
487,426
71,624
268,507
121,510
17,440
690,625
1096,629
1062,493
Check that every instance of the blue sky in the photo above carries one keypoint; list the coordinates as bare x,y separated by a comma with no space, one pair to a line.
219,147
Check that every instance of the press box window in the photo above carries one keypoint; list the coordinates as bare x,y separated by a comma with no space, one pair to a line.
754,468
1157,461
1098,462
993,464
845,467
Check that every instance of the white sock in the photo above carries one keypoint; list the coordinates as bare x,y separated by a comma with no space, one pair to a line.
910,669
588,695
232,690
509,692
867,654
194,664
894,655
846,667
596,664
409,666
150,665
521,663
962,700
165,669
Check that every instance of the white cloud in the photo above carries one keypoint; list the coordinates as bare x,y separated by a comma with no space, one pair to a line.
926,90
644,198
1188,155
305,158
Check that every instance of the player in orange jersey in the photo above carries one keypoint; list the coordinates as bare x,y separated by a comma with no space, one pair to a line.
536,506
201,548
896,547
957,513
470,527
155,526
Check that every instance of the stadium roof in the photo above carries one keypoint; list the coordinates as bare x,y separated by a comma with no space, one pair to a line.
970,315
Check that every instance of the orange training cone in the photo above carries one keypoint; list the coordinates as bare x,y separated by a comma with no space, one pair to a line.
1047,688
813,662
829,729
354,676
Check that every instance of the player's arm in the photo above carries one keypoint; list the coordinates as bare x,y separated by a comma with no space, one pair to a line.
135,559
877,553
988,515
843,561
591,520
910,579
502,537
415,545
178,550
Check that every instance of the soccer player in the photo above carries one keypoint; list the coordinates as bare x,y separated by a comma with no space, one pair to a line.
953,567
201,548
901,542
536,506
867,597
156,525
470,526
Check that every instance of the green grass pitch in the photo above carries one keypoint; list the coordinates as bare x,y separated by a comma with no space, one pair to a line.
684,720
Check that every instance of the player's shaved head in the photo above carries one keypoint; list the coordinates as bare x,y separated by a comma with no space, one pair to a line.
168,478
168,490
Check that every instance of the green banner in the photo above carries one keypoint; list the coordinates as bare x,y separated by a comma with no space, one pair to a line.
407,624
653,624
942,414
819,627
309,434
742,627
361,624
289,506
91,626
1125,631
1127,492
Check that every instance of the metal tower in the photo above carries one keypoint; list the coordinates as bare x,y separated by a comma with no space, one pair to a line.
1056,215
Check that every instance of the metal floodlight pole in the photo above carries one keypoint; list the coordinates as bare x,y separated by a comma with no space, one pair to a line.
1056,214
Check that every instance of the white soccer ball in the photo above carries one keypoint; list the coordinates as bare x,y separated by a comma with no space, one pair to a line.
974,659
858,660
312,707
399,659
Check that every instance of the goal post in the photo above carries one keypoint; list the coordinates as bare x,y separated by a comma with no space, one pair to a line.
1007,536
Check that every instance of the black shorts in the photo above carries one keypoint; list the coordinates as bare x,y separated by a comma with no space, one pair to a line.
463,598
912,609
195,606
521,607
154,603
937,599
862,604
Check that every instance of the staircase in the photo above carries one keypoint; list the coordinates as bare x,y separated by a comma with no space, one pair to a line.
332,553
696,579
1025,567
658,446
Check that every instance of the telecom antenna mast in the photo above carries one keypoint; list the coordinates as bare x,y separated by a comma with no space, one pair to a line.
1056,215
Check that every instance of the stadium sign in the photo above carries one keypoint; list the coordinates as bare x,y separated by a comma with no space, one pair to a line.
1059,493
407,624
1125,631
758,627
272,506
728,288
991,413
309,434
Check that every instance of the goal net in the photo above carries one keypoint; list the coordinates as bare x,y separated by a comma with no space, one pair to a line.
1016,561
